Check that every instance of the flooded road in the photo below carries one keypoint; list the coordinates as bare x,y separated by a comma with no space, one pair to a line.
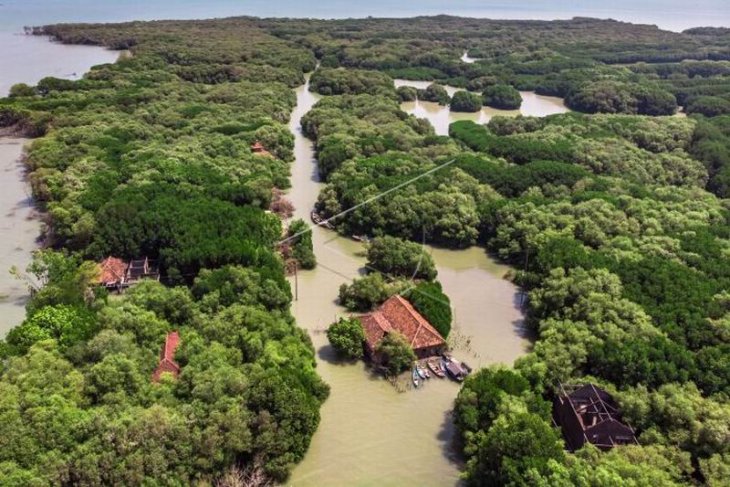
19,230
441,117
371,434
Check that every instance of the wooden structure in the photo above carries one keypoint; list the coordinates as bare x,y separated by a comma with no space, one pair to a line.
115,273
141,269
397,314
167,358
588,414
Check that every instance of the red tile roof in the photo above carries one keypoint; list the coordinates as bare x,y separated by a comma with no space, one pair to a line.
112,270
258,148
167,357
399,315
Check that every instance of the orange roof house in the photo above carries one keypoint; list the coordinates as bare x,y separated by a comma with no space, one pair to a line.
167,357
258,148
112,272
397,314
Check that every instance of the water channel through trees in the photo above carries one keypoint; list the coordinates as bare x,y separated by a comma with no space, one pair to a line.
371,433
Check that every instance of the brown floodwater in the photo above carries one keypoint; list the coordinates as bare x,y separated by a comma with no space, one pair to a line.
19,229
441,117
27,59
373,433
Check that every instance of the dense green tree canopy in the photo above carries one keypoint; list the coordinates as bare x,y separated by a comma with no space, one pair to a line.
347,336
464,101
620,246
396,257
504,97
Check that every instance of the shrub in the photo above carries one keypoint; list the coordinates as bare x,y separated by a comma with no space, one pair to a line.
396,355
504,97
346,337
463,101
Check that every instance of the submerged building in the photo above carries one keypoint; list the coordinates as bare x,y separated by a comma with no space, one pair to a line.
397,314
588,414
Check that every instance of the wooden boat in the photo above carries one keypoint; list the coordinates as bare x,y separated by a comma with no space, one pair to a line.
315,217
415,377
436,368
421,371
361,238
318,220
425,371
455,371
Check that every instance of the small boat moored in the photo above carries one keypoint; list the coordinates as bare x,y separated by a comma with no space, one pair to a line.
415,377
361,238
421,371
435,366
455,371
318,220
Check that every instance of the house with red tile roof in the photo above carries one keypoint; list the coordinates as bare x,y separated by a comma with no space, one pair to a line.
259,149
112,272
167,357
397,314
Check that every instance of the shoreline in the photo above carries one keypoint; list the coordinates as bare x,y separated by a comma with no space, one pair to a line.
28,59
21,224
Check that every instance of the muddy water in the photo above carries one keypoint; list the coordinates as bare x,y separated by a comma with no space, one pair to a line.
371,434
18,229
441,117
28,59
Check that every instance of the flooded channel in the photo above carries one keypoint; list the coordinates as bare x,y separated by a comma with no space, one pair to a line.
371,434
441,117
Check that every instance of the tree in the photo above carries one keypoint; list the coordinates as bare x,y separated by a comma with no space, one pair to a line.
518,445
60,279
710,106
66,324
434,93
300,236
504,97
464,101
396,257
407,93
395,353
367,292
429,299
19,90
347,336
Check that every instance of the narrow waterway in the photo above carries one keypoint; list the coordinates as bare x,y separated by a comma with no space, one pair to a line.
441,117
371,434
